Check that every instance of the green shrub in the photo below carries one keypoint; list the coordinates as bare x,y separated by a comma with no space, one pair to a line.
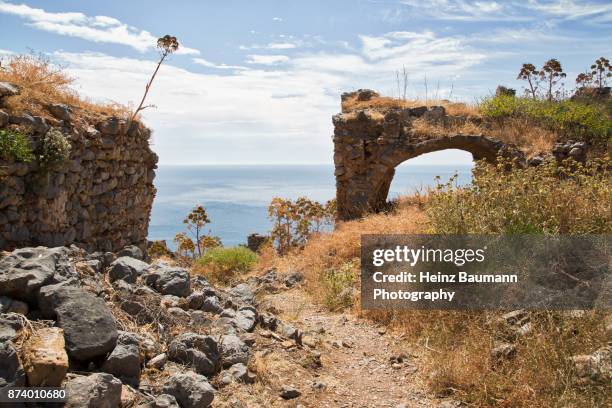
549,199
222,264
571,119
338,285
15,146
55,149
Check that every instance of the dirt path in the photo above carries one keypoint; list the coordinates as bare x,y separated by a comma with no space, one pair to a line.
360,365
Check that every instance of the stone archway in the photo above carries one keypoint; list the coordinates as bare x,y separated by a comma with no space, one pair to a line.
369,145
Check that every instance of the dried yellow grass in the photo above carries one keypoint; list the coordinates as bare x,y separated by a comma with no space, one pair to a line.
42,83
383,103
532,140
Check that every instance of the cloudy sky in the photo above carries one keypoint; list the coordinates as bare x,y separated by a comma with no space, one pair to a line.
258,81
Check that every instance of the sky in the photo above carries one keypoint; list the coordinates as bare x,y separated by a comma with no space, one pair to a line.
257,82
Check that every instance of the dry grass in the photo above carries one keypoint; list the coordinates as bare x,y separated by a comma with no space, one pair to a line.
383,103
531,139
41,83
456,346
332,251
423,127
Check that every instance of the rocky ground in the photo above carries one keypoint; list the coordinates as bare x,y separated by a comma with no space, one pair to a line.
117,331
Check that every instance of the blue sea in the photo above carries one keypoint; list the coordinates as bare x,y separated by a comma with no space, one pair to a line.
236,197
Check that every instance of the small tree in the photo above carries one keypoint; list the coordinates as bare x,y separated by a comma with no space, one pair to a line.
584,79
295,221
601,71
184,245
530,74
195,221
551,73
166,46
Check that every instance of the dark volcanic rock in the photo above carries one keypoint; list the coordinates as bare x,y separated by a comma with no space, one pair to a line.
124,361
131,251
26,270
168,280
127,269
190,390
11,372
234,350
243,293
202,352
89,327
99,390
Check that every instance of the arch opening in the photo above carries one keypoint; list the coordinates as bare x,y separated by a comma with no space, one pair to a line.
418,173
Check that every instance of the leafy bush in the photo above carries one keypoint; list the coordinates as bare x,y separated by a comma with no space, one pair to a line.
295,221
571,119
550,199
222,264
15,146
338,285
55,149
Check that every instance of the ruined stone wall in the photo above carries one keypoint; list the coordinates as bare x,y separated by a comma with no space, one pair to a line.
100,197
370,143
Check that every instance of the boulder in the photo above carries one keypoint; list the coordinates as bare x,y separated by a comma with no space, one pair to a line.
211,304
127,269
124,361
190,390
26,270
234,350
10,325
168,280
11,371
44,358
195,300
98,390
199,351
246,319
89,327
243,293
131,251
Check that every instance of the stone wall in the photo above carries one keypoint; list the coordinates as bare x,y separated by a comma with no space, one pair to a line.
369,144
100,197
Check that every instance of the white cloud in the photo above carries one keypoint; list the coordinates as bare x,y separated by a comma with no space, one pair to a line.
571,9
267,59
463,10
199,114
277,19
269,46
100,29
281,46
208,64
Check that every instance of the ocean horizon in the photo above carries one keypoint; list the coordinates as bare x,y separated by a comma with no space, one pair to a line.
236,197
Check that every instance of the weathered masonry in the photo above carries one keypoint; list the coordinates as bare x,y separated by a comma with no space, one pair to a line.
370,144
100,196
